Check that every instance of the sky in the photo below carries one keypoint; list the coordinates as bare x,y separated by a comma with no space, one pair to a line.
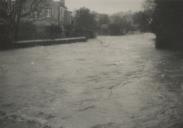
106,6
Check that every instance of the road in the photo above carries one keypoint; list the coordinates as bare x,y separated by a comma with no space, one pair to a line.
108,82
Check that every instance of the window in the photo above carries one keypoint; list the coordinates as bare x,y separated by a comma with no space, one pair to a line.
48,13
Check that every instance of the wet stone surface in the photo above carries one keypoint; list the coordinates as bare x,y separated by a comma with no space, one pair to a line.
108,82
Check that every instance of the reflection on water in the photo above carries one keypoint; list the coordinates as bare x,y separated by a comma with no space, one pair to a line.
172,70
170,76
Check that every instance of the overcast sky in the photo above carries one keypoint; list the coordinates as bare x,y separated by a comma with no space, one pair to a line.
106,6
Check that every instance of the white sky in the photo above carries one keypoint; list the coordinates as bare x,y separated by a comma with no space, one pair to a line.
106,6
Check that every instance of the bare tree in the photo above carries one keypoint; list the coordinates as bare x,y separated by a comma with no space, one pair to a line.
13,10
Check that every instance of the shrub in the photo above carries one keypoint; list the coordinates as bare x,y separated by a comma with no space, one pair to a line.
5,38
26,31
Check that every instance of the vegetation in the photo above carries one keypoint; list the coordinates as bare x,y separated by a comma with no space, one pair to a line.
85,23
168,23
103,21
123,23
11,12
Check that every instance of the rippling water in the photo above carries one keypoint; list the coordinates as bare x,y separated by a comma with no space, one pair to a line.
108,82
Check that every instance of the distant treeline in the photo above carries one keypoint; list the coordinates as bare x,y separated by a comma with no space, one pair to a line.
92,23
123,23
86,22
16,24
163,17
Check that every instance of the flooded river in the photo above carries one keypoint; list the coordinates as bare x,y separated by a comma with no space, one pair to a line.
108,82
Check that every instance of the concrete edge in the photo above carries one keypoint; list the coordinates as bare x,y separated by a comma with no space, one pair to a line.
44,42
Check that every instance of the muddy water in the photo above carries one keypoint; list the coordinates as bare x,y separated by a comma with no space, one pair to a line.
108,82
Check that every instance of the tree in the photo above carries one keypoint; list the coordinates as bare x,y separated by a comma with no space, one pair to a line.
11,11
103,22
103,19
168,23
149,6
121,25
4,22
85,23
115,26
143,20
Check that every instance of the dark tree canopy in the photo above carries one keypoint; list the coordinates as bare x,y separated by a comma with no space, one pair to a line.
85,22
168,23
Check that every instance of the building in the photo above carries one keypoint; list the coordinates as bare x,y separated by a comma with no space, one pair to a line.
67,17
52,13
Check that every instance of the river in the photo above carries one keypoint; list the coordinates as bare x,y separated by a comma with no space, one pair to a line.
108,82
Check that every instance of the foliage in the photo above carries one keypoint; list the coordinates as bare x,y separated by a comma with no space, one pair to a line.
143,20
11,11
85,23
53,31
27,30
123,23
103,22
168,23
103,19
4,34
30,31
69,30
